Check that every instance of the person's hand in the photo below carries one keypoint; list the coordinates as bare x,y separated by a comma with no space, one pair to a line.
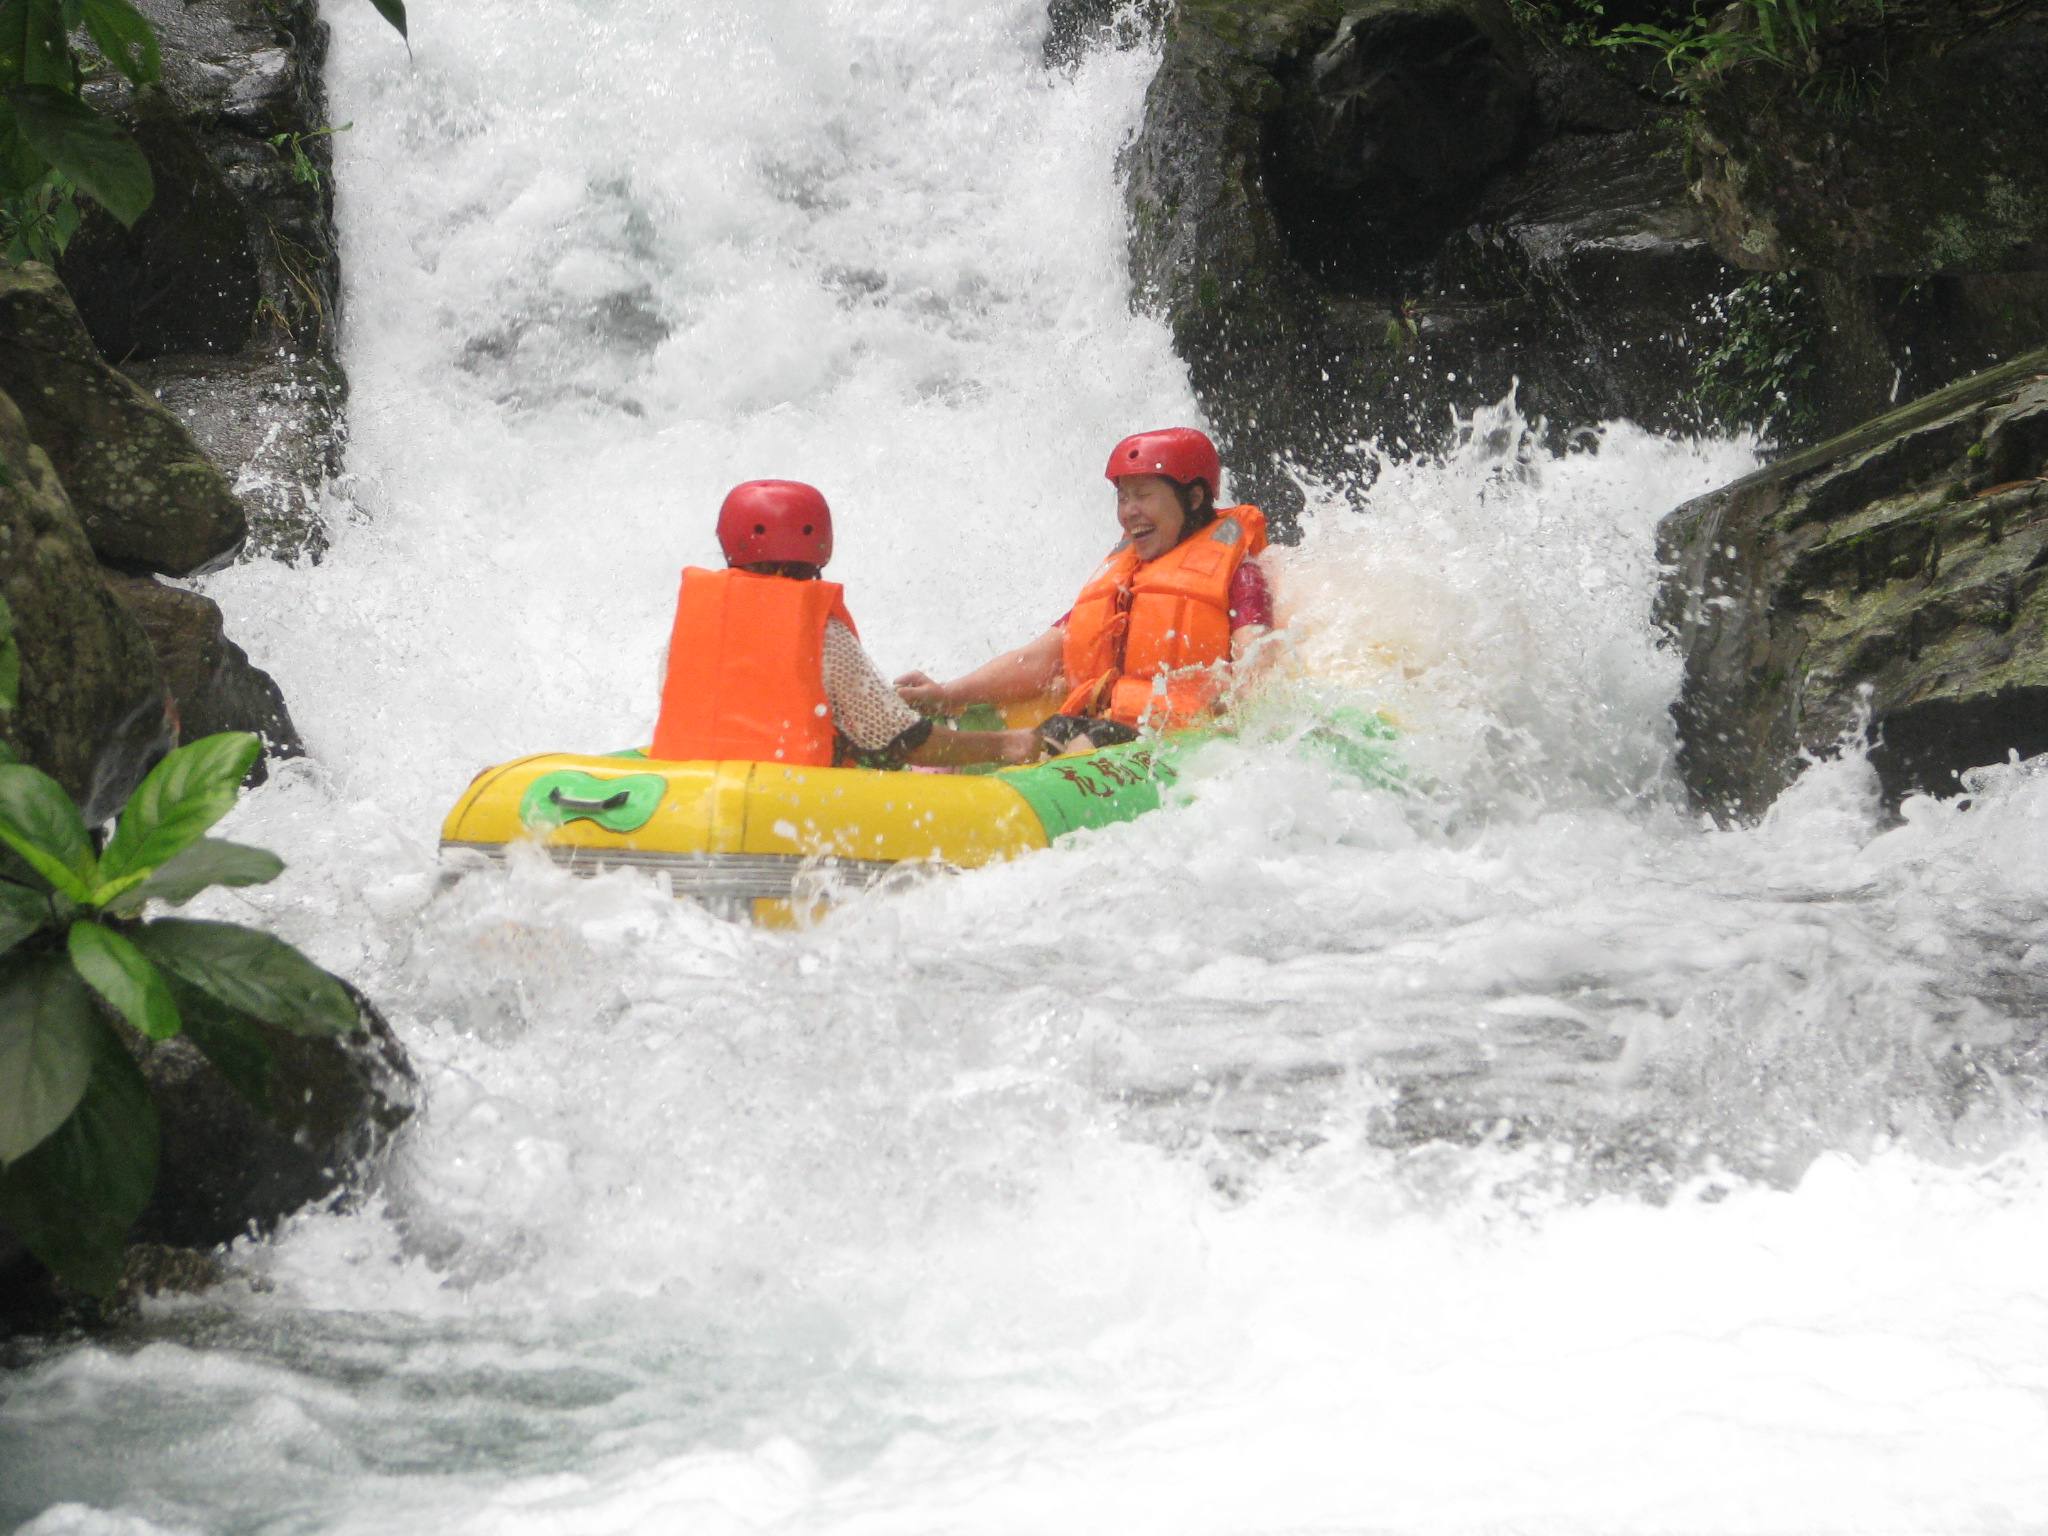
921,693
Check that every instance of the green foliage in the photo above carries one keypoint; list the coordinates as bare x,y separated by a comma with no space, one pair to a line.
37,225
1779,34
78,1136
1755,373
292,146
53,144
1571,23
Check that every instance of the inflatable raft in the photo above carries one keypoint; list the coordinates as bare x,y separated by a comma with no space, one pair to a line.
769,841
746,838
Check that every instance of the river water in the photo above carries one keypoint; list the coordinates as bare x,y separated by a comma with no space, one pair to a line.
1513,1154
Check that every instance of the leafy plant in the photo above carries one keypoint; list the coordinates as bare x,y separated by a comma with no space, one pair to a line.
1782,34
78,1130
292,146
49,133
38,224
1754,376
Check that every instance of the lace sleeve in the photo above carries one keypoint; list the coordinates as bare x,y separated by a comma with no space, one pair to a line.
864,707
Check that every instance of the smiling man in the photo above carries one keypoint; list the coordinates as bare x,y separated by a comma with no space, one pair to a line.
1150,640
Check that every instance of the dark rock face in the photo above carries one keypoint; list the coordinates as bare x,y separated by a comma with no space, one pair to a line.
146,495
1358,218
92,711
1908,558
227,1167
242,231
184,279
224,297
209,677
1391,128
1915,147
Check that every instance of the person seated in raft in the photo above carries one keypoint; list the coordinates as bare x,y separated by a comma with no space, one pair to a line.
1149,642
764,663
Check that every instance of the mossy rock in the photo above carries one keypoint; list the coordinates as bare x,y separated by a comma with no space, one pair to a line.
92,708
146,495
1912,145
1900,569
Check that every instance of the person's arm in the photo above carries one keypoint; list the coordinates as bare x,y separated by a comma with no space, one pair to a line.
1251,624
1029,672
949,748
884,732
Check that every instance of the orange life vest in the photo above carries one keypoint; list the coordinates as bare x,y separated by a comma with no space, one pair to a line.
1147,639
746,670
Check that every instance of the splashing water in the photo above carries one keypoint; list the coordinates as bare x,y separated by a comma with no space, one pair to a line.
1515,1152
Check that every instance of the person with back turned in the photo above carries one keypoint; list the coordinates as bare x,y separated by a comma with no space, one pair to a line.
1151,641
765,664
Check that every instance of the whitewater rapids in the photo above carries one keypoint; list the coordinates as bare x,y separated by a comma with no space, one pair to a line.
1520,1153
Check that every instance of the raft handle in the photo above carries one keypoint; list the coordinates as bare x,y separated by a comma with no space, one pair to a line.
570,803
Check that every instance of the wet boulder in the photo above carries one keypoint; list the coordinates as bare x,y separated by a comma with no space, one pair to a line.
146,495
228,1168
1900,570
212,684
92,711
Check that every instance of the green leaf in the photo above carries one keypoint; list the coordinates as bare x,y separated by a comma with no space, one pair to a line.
35,45
186,793
125,36
39,822
209,862
393,11
252,973
22,912
233,1042
115,968
46,1043
87,147
73,1199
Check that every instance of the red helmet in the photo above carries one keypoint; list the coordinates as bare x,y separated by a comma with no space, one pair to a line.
1179,453
764,520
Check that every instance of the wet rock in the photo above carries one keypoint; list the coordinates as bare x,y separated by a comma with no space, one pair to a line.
210,679
92,711
1900,569
228,1168
146,495
1359,219
1389,130
223,299
236,133
1076,28
185,277
272,422
1908,142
